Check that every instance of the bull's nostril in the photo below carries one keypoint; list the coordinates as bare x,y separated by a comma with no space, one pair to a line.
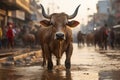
60,35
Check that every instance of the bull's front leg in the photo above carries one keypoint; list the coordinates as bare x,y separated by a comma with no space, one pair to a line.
50,63
68,56
49,57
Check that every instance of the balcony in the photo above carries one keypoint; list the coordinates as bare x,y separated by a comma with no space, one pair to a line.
24,4
8,4
16,4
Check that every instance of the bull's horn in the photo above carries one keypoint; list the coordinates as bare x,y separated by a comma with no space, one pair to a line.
43,12
74,14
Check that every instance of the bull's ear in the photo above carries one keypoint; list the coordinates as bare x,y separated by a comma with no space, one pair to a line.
73,23
45,23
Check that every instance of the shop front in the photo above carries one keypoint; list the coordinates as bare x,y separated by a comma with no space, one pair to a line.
2,17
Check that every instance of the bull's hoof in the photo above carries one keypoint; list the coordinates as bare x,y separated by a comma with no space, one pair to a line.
67,65
50,66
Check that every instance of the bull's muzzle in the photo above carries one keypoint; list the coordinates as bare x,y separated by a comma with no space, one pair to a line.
60,36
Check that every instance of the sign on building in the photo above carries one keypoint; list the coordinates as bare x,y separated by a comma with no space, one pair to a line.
20,14
17,14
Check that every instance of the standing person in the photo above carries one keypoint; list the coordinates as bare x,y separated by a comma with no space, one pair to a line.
14,35
109,39
112,38
4,38
1,33
10,36
14,31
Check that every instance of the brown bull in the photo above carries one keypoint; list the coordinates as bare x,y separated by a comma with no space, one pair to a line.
90,39
28,39
80,38
101,38
56,37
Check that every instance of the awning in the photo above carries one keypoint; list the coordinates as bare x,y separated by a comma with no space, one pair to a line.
116,26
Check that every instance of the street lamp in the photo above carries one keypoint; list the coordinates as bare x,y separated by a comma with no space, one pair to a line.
95,29
88,14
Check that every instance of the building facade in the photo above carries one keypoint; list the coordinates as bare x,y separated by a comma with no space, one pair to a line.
103,11
14,11
36,17
116,9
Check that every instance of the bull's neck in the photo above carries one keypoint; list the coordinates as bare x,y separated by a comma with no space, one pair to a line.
58,48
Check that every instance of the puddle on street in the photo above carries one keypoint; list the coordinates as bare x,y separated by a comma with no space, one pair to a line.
39,73
109,75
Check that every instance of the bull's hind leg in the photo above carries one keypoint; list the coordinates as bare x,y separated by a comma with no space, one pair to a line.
58,61
44,60
44,57
68,56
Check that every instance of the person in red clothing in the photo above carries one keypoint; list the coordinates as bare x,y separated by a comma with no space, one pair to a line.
10,36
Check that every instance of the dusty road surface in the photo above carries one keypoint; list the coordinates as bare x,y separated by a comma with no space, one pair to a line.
88,63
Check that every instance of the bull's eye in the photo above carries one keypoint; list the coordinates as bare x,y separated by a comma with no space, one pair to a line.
53,24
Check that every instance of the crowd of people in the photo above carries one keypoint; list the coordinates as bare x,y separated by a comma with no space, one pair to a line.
9,33
7,36
111,38
103,37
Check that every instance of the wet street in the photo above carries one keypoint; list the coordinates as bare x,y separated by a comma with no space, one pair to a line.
88,63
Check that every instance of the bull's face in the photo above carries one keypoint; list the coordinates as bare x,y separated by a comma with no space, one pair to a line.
59,22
